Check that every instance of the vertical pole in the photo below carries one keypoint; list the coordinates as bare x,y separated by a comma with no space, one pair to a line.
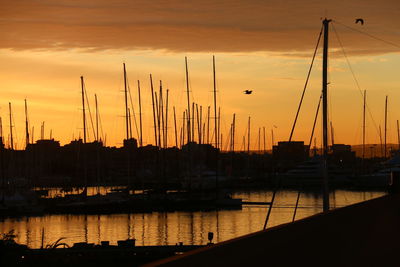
166,120
1,131
259,140
193,122
154,112
176,133
248,136
264,139
398,135
332,139
386,101
233,132
140,115
188,101
83,110
215,127
363,148
126,104
208,125
161,110
325,115
380,138
26,124
11,134
158,119
97,118
198,124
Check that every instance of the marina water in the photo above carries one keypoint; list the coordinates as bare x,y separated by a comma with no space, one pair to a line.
169,228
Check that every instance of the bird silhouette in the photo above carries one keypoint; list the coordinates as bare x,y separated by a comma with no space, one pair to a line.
360,20
247,92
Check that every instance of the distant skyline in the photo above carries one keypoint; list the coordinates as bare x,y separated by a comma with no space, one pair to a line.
264,46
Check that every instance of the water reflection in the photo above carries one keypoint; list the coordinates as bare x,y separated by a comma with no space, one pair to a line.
168,228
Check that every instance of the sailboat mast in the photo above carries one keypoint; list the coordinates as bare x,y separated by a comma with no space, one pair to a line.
83,110
398,134
386,101
188,101
126,104
154,112
1,131
325,114
11,134
248,137
26,124
176,133
166,120
97,118
363,147
140,115
233,132
264,139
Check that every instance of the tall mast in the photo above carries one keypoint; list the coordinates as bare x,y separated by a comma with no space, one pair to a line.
363,147
386,100
259,140
215,127
264,139
11,134
83,110
380,138
193,122
325,114
176,133
198,124
166,120
208,125
188,101
1,131
26,124
97,118
215,105
158,142
126,104
248,136
140,115
233,132
398,134
154,112
161,114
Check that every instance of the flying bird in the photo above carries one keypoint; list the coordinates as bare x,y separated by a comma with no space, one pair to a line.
248,92
360,20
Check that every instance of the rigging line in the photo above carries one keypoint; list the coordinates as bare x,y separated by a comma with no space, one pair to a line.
368,34
354,76
315,121
305,85
133,109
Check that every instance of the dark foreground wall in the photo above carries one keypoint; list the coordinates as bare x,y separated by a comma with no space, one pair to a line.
364,234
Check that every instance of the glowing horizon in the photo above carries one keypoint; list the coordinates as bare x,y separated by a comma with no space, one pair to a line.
266,48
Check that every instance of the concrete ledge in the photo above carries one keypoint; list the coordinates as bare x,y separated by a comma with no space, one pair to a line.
363,234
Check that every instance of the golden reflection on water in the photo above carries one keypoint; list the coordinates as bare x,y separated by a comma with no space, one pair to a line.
169,228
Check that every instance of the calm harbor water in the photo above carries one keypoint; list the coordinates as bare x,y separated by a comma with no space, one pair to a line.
169,228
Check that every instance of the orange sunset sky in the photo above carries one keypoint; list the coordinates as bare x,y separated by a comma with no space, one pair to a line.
265,46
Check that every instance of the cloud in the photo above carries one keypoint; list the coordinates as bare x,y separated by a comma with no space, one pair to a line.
290,27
